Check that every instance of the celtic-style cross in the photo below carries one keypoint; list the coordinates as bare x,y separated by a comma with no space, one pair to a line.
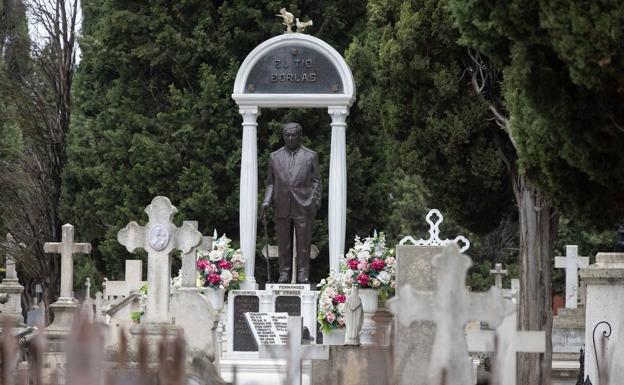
159,237
450,306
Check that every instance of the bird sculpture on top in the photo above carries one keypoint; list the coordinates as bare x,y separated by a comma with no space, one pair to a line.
289,20
302,25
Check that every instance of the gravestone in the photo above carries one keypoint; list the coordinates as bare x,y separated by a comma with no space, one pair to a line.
604,324
296,300
115,290
450,306
188,305
11,311
66,304
64,308
571,263
240,337
295,352
414,268
506,341
159,237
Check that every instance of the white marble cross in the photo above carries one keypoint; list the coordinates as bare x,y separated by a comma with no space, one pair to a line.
67,248
498,273
451,306
188,271
159,237
510,341
295,352
571,262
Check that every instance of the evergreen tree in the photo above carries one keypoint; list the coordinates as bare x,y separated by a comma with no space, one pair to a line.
155,117
562,89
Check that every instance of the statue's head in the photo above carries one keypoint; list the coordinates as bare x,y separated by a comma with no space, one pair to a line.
291,133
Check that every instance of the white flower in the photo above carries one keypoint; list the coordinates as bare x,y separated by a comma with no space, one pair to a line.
216,255
363,255
341,308
376,282
226,276
384,277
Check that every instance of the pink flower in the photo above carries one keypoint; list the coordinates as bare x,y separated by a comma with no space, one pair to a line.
210,268
330,316
352,264
340,298
390,261
214,278
202,264
362,279
341,321
223,264
378,264
362,266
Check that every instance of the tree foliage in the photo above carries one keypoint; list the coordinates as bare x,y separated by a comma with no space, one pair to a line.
563,87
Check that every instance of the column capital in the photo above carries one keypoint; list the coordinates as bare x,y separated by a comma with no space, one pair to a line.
249,113
338,114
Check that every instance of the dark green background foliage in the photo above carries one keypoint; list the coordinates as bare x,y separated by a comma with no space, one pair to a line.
153,116
563,85
435,126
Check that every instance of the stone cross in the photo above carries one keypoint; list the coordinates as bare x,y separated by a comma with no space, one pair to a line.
189,260
88,286
571,262
450,306
295,352
510,341
159,237
67,248
498,273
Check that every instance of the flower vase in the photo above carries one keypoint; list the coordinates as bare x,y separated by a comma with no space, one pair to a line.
216,298
334,337
370,303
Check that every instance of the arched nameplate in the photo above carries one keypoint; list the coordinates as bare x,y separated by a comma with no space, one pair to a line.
294,69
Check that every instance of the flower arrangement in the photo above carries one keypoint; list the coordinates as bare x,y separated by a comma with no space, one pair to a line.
222,267
332,303
370,264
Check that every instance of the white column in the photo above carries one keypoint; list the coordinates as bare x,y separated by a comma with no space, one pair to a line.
248,209
337,215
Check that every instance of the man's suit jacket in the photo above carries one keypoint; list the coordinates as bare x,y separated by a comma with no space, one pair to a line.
295,193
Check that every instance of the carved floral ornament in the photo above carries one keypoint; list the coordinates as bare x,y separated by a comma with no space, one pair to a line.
434,234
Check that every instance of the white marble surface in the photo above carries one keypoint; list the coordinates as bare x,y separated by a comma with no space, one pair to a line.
571,263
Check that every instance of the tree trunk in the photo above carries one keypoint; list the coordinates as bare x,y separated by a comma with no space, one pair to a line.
538,224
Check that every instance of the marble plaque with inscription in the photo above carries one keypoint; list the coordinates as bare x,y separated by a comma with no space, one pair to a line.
242,335
269,328
290,304
294,69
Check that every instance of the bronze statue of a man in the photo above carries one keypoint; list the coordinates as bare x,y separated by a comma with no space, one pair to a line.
294,183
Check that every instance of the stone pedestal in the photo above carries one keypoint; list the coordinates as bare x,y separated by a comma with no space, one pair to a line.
568,337
414,268
605,297
11,311
355,365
